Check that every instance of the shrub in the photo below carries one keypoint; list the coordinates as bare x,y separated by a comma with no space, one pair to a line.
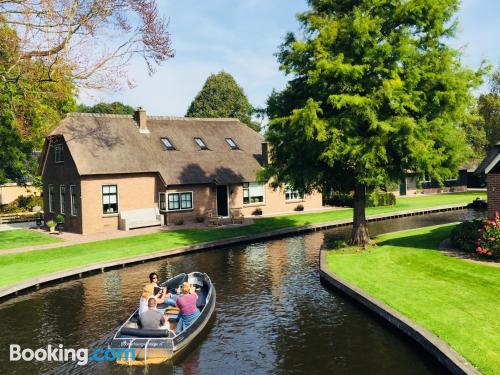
380,198
257,211
488,241
336,244
338,198
60,219
51,224
200,219
22,204
299,208
464,236
179,221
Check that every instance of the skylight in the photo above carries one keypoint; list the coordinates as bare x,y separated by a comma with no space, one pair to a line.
201,144
232,144
168,145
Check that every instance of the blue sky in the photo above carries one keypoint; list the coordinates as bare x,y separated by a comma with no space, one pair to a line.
242,36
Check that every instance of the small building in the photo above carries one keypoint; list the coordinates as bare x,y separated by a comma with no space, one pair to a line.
413,185
490,166
95,167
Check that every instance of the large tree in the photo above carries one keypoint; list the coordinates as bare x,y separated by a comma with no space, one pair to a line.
221,96
489,109
374,92
111,108
29,108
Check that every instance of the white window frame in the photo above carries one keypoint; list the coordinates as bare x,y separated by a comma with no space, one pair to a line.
201,144
231,142
426,179
164,200
51,198
117,200
179,193
169,146
289,191
73,202
62,199
60,147
250,197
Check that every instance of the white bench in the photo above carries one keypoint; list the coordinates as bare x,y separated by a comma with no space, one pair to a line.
145,217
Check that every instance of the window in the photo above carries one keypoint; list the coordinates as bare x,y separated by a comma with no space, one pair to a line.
58,153
232,144
161,202
109,199
253,192
51,198
62,198
426,178
73,199
292,195
201,144
180,201
168,145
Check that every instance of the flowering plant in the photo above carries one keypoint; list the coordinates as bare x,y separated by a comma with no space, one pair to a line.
488,241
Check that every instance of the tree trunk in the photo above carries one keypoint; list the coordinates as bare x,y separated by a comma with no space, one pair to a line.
359,236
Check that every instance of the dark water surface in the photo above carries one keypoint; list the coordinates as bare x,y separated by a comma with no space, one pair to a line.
273,316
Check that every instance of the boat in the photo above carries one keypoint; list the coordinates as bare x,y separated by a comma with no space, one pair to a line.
152,346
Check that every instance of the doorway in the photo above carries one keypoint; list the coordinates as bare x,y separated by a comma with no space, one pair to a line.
222,200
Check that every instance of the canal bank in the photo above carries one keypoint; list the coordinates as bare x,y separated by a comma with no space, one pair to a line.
51,278
446,305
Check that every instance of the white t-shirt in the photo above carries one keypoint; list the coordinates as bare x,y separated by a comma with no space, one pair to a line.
143,305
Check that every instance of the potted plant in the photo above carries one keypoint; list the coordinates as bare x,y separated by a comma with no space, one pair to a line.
60,222
257,212
52,226
38,219
299,208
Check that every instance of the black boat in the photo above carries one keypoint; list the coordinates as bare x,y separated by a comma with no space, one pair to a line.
140,346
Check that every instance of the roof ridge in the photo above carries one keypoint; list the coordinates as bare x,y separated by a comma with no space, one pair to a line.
178,118
109,115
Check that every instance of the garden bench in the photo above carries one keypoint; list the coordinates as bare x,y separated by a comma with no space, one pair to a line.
144,217
237,216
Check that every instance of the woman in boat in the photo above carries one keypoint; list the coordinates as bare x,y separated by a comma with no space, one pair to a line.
186,302
147,293
169,298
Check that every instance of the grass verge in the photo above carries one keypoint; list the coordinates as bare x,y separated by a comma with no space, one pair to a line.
23,237
455,299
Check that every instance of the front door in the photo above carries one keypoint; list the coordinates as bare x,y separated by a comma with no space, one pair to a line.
222,204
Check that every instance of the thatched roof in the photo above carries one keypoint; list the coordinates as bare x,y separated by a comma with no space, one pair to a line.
491,159
112,144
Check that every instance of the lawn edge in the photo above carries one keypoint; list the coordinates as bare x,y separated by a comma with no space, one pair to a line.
437,348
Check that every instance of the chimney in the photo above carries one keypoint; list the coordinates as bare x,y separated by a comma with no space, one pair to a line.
141,119
265,153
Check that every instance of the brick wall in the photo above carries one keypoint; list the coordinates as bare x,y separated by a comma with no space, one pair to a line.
493,183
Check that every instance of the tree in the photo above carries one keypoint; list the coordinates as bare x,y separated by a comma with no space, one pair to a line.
475,135
221,96
113,108
374,92
92,39
29,108
489,109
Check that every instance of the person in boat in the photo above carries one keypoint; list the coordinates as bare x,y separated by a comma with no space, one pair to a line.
169,298
152,318
186,302
147,293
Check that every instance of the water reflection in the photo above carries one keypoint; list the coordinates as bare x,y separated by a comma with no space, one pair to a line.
272,315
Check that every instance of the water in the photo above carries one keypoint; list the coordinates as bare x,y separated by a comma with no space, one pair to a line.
273,316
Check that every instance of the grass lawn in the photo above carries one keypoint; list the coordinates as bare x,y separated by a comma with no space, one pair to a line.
23,237
457,300
22,266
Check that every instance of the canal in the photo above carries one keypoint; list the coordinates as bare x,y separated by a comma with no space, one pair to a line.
273,316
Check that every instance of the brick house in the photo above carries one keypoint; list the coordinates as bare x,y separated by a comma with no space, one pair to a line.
96,166
491,167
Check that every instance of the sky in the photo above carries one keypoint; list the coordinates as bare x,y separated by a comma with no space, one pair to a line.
241,37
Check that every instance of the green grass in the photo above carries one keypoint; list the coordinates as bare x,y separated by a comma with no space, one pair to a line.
23,266
23,237
455,299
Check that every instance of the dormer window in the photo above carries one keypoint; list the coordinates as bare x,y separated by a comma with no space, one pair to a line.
58,153
168,145
201,144
232,144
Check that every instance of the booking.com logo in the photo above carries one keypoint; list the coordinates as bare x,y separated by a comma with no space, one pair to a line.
61,354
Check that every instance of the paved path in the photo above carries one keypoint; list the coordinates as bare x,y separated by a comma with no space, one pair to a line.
12,226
